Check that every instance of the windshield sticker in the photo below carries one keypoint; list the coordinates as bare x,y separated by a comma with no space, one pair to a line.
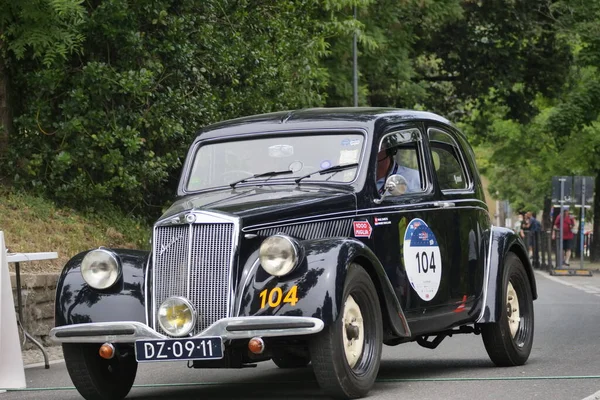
422,259
281,150
296,166
350,142
348,156
362,229
325,164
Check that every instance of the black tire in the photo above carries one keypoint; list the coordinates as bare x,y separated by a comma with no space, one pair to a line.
505,348
334,374
289,360
96,378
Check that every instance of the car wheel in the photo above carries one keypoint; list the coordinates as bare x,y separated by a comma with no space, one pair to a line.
508,341
346,354
96,378
289,360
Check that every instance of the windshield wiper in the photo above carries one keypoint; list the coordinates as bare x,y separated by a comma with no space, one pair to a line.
262,175
328,170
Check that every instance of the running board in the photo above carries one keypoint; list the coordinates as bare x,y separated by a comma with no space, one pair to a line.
435,342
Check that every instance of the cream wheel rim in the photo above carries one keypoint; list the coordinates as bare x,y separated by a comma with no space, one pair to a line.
512,309
353,331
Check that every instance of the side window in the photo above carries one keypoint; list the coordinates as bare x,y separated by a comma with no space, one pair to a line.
401,153
448,161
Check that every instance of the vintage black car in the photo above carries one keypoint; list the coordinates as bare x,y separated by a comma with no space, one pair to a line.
304,237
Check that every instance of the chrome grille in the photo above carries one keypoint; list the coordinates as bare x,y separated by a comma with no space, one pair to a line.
312,230
194,261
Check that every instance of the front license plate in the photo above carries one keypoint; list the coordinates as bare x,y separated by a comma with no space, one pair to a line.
206,348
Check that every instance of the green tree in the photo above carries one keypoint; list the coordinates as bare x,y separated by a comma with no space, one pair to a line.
44,30
113,123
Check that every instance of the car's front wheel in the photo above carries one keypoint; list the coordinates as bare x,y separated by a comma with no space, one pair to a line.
508,341
96,378
346,355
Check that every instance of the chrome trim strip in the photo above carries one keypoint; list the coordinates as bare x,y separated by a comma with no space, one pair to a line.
357,213
153,299
219,328
150,255
487,275
189,259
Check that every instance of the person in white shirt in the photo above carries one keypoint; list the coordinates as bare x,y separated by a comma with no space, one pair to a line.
387,166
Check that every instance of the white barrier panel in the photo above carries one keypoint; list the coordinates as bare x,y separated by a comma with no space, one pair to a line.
12,374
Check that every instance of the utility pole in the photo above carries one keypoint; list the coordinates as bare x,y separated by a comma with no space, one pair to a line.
355,64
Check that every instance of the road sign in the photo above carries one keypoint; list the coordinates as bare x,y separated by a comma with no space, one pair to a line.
568,195
584,185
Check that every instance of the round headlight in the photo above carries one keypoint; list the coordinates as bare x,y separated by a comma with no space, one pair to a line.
176,316
100,268
278,255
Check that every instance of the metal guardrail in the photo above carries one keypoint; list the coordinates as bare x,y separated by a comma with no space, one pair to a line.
544,249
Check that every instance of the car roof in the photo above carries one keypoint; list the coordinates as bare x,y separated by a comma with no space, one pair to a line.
316,119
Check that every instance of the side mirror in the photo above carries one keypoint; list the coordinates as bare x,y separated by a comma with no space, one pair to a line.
395,185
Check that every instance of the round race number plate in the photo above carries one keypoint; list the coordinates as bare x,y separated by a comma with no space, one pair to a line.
422,259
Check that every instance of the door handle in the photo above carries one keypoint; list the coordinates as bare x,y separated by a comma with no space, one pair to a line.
443,204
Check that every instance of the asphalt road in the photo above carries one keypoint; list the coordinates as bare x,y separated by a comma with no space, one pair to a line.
564,364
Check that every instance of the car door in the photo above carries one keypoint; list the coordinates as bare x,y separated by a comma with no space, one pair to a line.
409,229
467,217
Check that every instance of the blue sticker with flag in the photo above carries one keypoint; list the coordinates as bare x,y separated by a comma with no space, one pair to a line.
422,259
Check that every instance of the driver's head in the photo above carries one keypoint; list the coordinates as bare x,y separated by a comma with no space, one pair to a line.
384,160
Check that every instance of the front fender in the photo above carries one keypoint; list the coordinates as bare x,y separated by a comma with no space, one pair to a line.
502,241
319,282
77,302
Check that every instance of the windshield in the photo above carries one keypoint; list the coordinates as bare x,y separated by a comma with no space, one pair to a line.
220,164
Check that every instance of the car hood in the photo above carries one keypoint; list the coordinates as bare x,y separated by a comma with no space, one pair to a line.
261,204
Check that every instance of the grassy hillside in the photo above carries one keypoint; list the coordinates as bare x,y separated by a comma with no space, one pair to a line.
32,224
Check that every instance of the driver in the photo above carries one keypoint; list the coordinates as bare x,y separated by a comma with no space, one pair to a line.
387,166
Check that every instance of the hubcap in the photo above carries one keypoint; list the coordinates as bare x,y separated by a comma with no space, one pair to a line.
353,331
512,309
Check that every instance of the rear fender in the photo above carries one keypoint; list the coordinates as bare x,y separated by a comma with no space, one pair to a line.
77,302
501,242
315,287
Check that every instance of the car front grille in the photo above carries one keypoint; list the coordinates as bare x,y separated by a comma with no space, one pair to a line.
194,261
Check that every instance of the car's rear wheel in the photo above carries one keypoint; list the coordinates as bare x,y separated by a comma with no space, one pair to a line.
285,359
346,355
96,378
508,341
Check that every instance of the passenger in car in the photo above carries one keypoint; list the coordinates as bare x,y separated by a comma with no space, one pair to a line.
387,166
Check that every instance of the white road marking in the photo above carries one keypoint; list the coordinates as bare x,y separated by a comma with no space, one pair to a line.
595,396
591,289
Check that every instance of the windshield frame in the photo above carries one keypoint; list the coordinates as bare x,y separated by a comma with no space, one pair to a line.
276,180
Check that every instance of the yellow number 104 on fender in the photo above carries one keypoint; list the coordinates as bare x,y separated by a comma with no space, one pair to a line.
274,297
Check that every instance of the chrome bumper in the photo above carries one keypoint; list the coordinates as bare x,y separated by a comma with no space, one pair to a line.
227,328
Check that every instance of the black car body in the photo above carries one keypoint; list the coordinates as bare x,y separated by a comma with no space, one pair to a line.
408,256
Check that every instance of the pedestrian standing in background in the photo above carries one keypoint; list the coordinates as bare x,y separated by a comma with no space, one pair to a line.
567,226
525,229
533,226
